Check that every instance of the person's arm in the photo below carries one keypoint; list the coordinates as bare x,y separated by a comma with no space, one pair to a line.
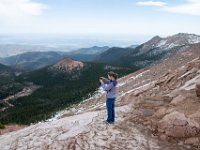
107,87
105,80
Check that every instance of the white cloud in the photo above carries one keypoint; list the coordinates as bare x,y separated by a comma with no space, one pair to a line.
151,3
17,8
192,7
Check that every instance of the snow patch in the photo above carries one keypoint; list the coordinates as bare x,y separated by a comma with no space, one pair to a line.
141,88
161,43
139,75
42,132
194,39
189,85
96,94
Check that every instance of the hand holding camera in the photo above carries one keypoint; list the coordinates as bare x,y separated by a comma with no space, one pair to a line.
101,80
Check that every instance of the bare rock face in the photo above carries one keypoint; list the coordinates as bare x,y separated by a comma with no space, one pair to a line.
177,125
177,100
193,64
198,88
160,113
68,64
198,84
193,141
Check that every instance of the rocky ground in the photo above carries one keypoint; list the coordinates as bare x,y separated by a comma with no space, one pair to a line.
157,108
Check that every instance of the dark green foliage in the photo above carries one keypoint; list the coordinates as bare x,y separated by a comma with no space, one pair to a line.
113,54
87,54
2,105
145,58
8,85
10,89
1,126
83,57
131,57
59,90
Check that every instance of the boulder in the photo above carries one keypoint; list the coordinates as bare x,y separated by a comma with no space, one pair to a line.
175,124
198,92
193,63
177,100
194,141
160,112
144,88
198,88
198,84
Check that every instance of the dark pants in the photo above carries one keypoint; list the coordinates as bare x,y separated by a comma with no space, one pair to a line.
110,105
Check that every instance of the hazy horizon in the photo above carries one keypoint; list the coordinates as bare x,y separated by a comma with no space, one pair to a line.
74,40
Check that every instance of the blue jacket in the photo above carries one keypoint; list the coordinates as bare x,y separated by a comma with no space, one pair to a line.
110,87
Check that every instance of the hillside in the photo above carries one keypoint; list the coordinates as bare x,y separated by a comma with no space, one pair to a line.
3,68
113,54
8,84
61,85
32,60
157,108
150,52
68,64
87,54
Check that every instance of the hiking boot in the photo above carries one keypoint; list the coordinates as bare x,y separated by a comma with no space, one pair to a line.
108,122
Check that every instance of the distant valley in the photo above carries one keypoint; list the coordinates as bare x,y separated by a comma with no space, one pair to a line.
37,59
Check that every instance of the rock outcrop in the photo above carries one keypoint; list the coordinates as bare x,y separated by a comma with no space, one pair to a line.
198,88
67,64
175,101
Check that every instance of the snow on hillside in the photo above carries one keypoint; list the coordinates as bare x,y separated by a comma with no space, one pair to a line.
178,40
59,114
194,39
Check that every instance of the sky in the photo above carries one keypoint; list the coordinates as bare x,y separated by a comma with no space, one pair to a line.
101,17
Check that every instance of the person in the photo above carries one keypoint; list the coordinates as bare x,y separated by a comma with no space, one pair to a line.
109,85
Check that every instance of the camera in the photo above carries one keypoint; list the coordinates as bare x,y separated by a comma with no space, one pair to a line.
101,78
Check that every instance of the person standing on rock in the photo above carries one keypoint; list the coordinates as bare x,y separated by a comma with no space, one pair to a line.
109,85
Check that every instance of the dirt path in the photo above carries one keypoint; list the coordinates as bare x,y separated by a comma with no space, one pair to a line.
25,92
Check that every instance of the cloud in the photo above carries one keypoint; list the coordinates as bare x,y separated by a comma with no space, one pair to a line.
192,7
17,8
151,3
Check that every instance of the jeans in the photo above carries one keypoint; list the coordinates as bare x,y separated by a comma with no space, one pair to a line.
110,105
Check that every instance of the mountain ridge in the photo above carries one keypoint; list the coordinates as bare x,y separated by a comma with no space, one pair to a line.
151,51
34,60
